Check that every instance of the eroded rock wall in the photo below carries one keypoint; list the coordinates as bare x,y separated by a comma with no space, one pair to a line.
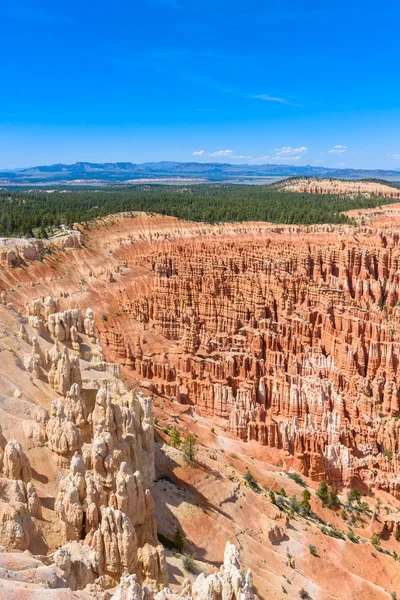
293,340
289,334
99,439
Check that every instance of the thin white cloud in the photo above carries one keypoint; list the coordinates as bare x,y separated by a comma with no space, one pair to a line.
396,156
283,154
220,153
318,162
289,158
338,149
269,98
286,151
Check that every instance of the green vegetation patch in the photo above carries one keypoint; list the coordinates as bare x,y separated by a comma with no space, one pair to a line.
25,213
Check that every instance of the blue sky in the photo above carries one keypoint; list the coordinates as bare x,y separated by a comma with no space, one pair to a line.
278,81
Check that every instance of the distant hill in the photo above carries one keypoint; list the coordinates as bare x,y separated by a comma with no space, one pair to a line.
124,172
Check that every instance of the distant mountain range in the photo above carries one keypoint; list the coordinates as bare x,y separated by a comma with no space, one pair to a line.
170,172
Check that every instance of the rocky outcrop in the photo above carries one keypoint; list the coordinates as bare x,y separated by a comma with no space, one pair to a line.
290,335
72,568
33,501
16,251
66,326
80,567
63,436
293,340
100,438
75,567
228,582
103,445
18,504
336,186
64,369
15,462
116,543
19,501
37,431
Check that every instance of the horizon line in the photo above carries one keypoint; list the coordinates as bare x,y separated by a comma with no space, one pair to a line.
117,162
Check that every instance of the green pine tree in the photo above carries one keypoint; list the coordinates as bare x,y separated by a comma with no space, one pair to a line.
322,491
175,438
189,448
333,498
305,502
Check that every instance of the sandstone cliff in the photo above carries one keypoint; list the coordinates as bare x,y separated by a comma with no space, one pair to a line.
76,458
289,334
288,337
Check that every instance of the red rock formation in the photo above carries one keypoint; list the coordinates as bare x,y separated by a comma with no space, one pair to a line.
291,336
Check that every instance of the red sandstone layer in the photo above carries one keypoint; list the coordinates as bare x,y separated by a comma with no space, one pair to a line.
291,336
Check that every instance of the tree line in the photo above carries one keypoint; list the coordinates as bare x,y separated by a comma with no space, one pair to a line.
27,213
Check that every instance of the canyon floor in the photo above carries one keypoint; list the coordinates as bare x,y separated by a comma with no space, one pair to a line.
277,346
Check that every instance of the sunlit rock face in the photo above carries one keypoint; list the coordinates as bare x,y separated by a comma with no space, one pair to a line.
86,528
76,457
289,334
